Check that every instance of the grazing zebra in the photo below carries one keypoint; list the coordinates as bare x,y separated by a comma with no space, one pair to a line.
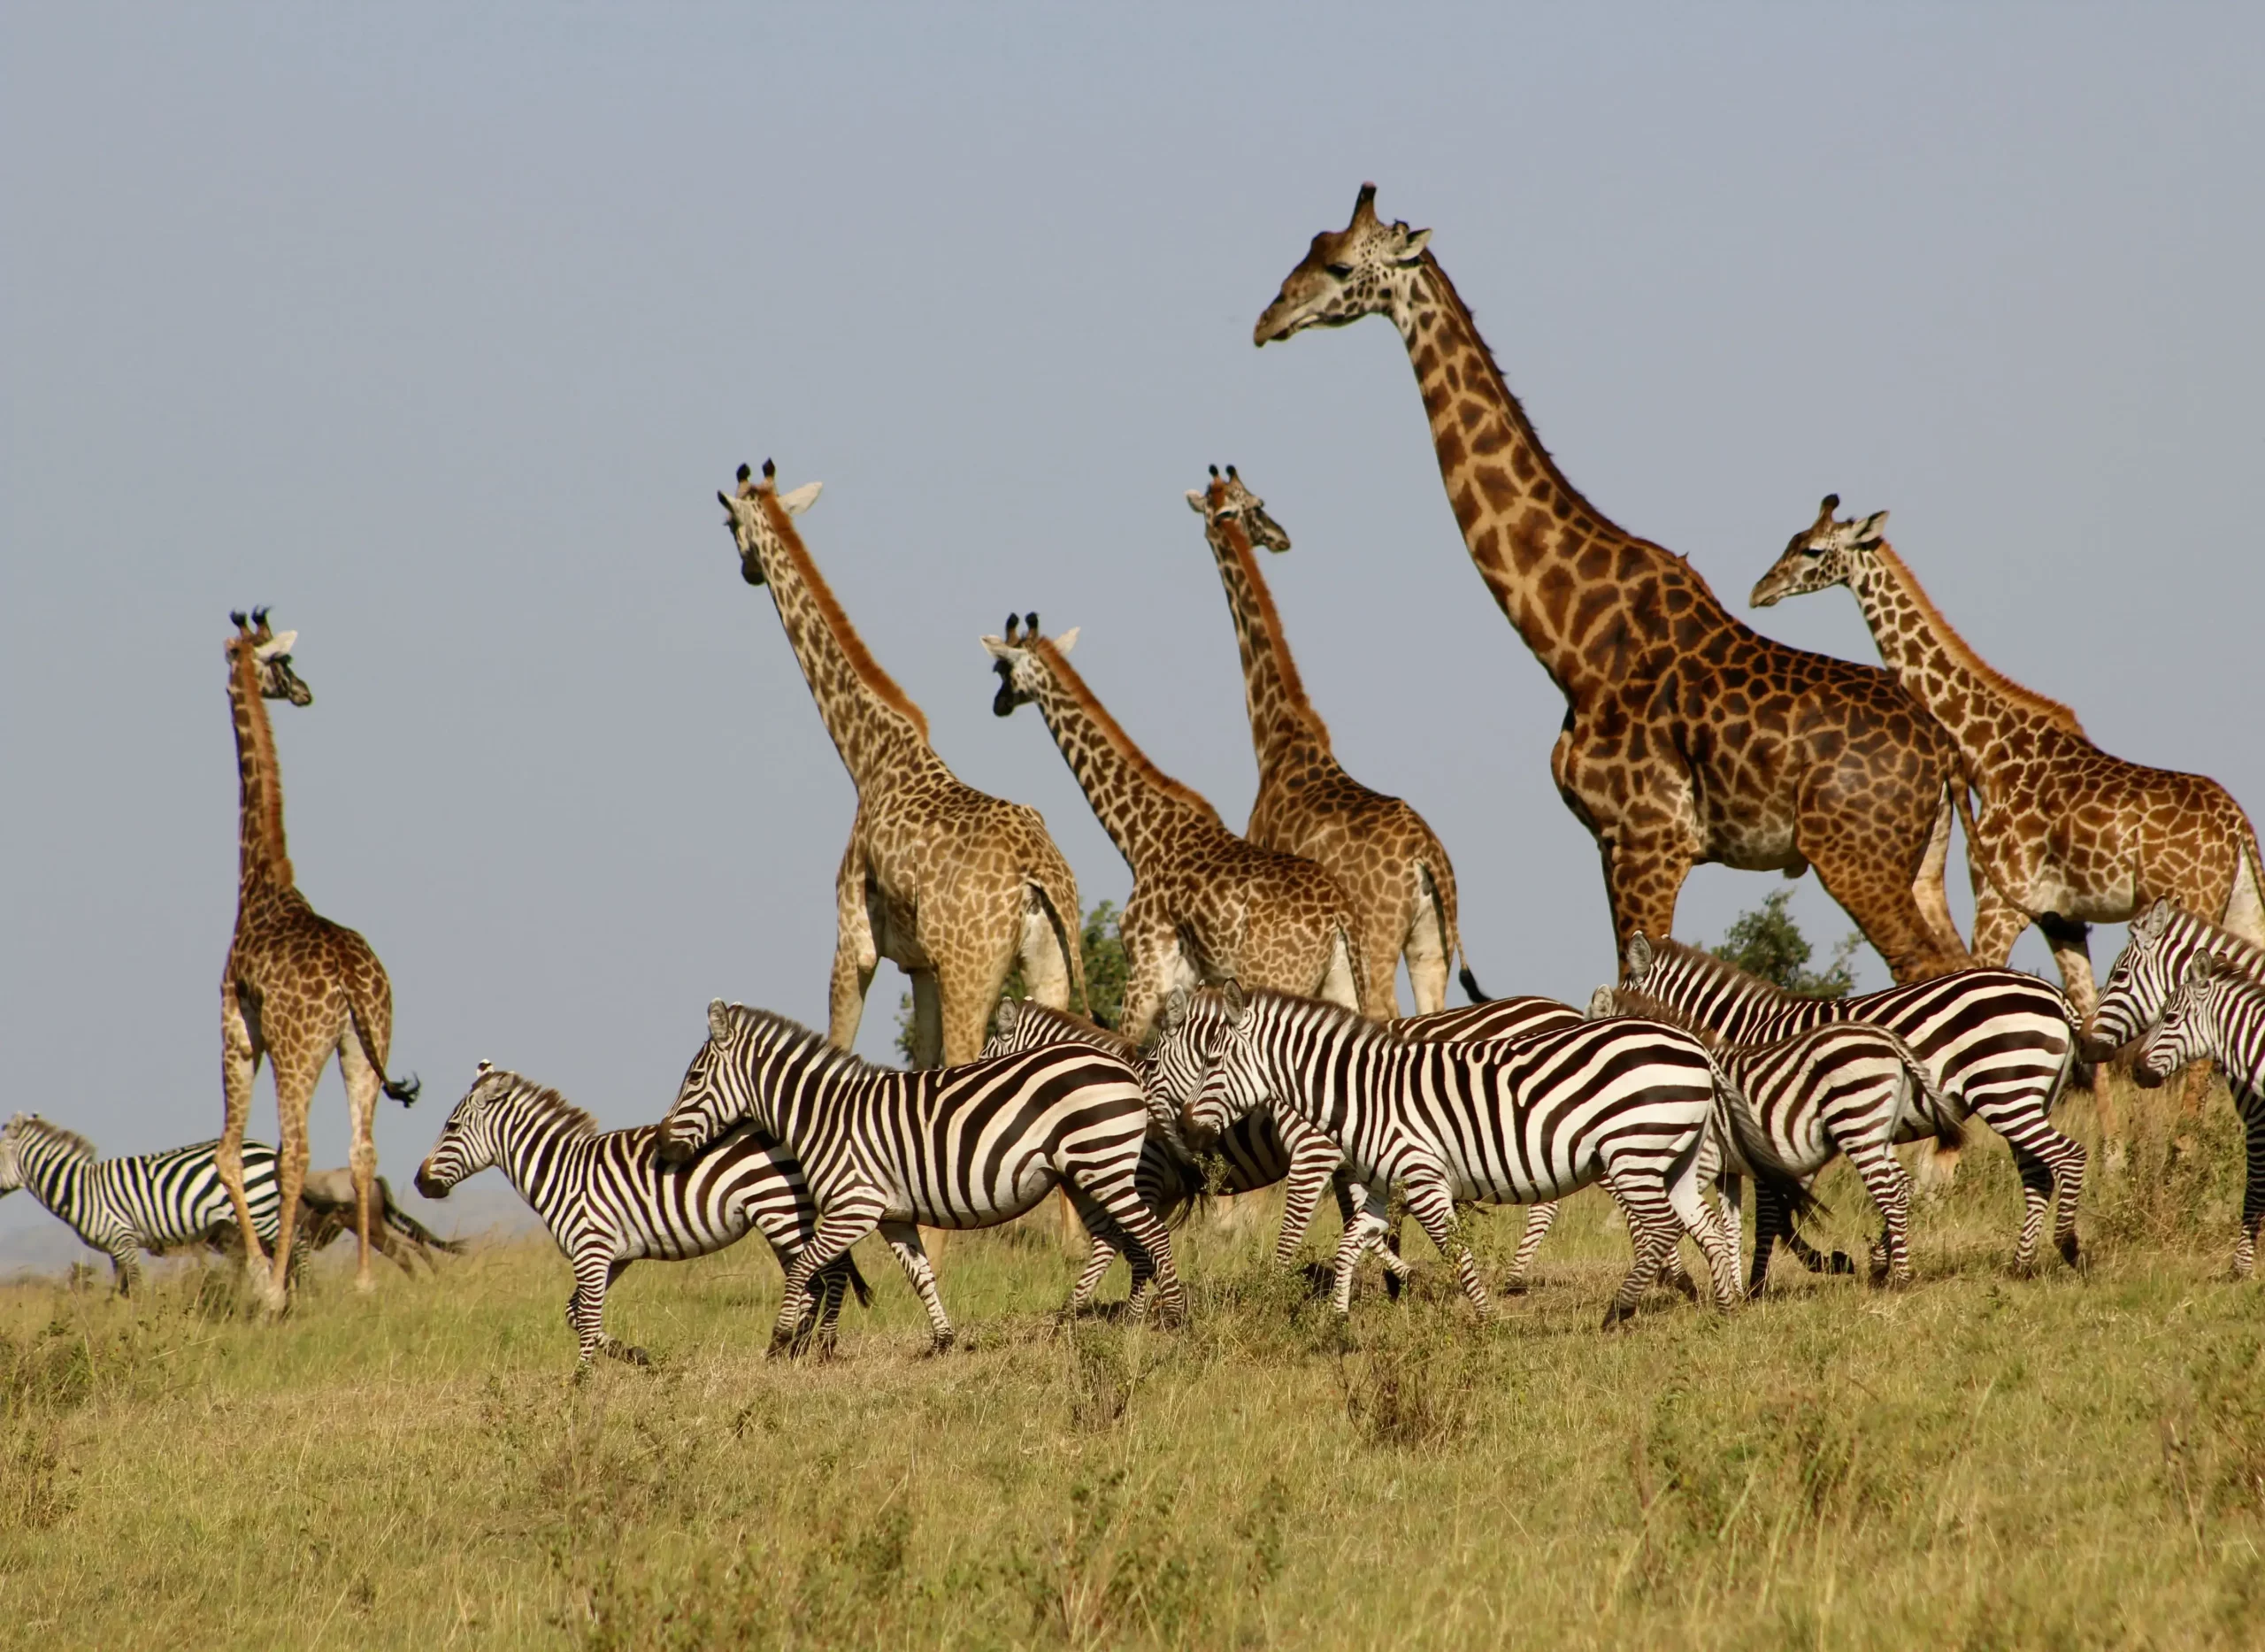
2217,1013
970,1146
2164,940
1999,1044
125,1206
609,1198
1626,1103
1842,1087
1257,1149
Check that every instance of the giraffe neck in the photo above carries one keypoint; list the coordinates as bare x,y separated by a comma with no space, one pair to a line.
1137,803
1562,573
1935,664
881,734
1283,726
262,861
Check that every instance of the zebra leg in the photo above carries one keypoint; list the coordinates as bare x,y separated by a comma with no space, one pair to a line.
2051,1164
904,1239
1363,1229
124,1253
1314,1163
2252,1195
1149,1248
1432,1203
595,1272
1890,1191
1769,1223
1730,1202
1652,1228
1686,1199
1081,1294
1108,1239
1538,1219
848,1221
1380,1239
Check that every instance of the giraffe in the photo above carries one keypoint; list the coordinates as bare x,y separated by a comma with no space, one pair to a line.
2065,836
1206,907
950,884
1380,851
1687,737
295,987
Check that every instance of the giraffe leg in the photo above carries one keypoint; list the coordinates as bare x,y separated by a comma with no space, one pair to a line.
362,1084
1928,890
295,1086
1643,879
1151,952
1426,950
855,956
1850,858
2071,944
239,1067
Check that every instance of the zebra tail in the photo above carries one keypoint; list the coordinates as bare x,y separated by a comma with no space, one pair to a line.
1950,1130
403,1090
1761,1156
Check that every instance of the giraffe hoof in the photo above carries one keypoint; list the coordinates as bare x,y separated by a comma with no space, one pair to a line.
365,1284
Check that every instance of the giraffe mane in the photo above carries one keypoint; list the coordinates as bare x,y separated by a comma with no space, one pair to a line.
1286,666
1720,969
1633,1001
1112,731
878,681
1960,649
47,1130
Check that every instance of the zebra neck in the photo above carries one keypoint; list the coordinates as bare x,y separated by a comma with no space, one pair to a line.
2237,1033
538,1159
56,1180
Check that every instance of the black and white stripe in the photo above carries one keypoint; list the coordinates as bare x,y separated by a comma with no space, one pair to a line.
1999,1044
1626,1103
609,1200
2217,1013
954,1148
2164,942
125,1206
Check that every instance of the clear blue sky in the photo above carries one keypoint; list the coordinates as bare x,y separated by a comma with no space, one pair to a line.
438,331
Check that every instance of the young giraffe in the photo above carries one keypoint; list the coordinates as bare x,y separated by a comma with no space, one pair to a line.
1205,906
1379,850
952,884
2066,836
295,987
1687,737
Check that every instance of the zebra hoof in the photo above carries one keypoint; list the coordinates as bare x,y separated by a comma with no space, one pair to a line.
634,1355
2071,1253
1617,1318
940,1346
1394,1285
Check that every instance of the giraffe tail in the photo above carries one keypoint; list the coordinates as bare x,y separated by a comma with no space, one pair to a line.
403,1090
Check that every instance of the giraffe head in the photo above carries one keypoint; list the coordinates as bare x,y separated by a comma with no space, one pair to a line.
748,514
1227,499
270,654
1022,670
1368,267
1821,554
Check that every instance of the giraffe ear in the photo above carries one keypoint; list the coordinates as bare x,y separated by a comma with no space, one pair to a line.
280,644
1067,640
1000,648
1412,248
800,499
1874,529
1199,501
1638,956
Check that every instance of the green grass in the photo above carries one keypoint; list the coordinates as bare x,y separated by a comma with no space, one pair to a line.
1980,1461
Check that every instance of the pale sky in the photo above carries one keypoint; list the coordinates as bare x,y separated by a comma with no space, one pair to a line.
438,333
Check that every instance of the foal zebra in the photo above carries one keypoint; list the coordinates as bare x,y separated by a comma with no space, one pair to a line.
2164,941
1626,1103
2217,1013
125,1206
1999,1044
609,1199
970,1146
1842,1087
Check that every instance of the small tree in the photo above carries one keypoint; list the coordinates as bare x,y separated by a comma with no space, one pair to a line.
1104,949
1766,942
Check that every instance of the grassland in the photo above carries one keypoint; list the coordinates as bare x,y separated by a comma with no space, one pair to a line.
1981,1461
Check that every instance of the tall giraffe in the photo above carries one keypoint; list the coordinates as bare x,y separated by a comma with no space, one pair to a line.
1380,851
951,884
296,986
1205,906
1687,737
2065,835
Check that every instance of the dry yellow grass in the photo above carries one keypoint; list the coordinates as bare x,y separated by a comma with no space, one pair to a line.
1980,1461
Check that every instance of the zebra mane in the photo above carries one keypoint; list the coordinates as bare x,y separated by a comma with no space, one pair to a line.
1703,963
1076,1027
545,1102
31,1124
1352,1022
779,1032
2247,958
1635,1002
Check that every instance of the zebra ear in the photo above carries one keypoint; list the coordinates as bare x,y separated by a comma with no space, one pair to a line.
2154,921
1005,1015
1174,1010
1237,1006
718,1021
1603,1005
2200,967
1637,956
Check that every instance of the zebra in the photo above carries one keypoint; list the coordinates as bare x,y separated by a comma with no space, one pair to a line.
970,1146
611,1198
150,1201
1257,1149
1626,1103
1999,1044
2164,939
1844,1086
2217,1013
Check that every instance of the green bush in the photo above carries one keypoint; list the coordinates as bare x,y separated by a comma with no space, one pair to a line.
1766,942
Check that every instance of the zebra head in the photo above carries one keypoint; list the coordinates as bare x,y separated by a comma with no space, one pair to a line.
715,1095
469,1141
1822,555
1190,1026
1235,1079
2188,1030
11,1163
2139,984
270,654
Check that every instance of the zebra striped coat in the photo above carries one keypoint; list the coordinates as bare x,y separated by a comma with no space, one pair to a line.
970,1146
125,1206
2217,1013
1999,1044
1842,1087
1628,1102
2164,942
609,1200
